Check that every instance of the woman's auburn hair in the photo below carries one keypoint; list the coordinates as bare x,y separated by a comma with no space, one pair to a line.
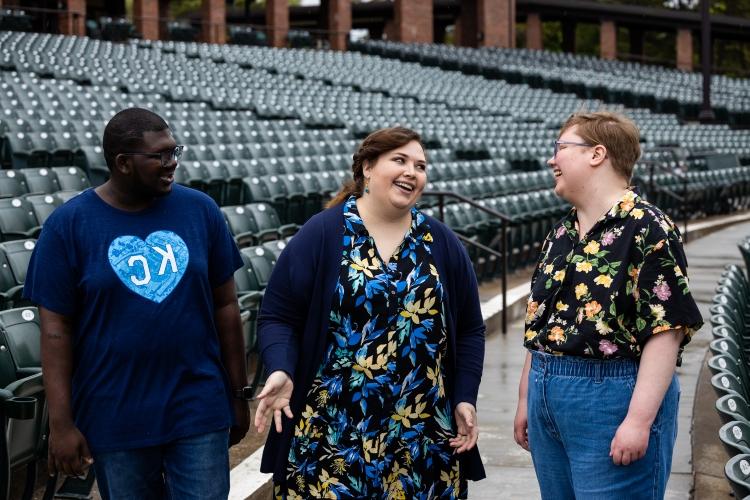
377,143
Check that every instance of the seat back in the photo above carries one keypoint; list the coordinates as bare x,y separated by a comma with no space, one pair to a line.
735,436
737,471
41,180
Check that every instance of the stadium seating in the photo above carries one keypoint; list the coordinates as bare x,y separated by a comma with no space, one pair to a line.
270,133
22,401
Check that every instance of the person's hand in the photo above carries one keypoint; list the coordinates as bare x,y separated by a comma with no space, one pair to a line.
521,425
275,398
630,442
468,430
242,421
68,452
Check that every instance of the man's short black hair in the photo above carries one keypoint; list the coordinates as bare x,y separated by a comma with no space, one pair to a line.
124,132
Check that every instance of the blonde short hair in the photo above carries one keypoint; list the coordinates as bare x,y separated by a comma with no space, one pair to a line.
614,131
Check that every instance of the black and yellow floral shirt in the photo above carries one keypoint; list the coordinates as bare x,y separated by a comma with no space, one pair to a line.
606,295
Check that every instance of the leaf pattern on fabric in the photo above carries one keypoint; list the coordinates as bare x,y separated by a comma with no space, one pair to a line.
376,421
606,295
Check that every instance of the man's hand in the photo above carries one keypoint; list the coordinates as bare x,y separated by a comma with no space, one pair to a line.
468,430
68,452
275,398
521,425
630,442
242,421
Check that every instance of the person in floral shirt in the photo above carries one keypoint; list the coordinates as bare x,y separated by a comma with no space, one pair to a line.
609,312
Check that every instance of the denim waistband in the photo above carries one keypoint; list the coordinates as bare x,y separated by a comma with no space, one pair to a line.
575,366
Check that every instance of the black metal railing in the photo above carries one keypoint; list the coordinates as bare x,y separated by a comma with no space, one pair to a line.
502,254
682,176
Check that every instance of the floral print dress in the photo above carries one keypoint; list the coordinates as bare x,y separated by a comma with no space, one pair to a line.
376,422
605,295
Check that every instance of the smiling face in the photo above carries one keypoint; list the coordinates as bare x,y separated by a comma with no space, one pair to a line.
146,175
571,166
397,178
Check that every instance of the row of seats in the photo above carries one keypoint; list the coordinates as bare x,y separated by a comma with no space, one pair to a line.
633,84
42,181
730,368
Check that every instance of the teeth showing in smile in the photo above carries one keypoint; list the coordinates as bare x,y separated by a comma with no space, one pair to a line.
557,172
405,186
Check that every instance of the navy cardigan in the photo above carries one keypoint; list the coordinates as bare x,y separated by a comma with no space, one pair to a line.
293,322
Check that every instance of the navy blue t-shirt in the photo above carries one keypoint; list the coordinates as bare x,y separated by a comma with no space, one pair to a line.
138,288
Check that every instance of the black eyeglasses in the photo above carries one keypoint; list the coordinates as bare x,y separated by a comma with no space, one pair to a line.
166,156
568,143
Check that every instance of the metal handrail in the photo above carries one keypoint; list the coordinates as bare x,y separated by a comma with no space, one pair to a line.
502,254
682,199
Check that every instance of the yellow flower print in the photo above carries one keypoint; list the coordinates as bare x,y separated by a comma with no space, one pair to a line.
602,327
591,248
560,306
581,290
427,237
530,334
603,280
636,213
559,275
584,267
677,271
557,334
657,311
548,269
592,308
628,201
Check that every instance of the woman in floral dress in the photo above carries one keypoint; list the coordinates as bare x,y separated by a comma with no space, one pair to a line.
608,315
373,337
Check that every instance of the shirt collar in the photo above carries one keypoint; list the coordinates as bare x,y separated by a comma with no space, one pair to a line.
619,210
351,212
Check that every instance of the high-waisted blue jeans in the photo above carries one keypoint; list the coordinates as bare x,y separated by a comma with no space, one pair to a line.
575,406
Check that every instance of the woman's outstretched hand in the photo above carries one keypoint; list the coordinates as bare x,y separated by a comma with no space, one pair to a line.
275,398
468,430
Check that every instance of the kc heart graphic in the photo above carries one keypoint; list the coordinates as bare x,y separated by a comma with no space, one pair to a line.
150,268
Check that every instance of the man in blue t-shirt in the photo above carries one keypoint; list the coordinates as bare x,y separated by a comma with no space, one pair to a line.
142,347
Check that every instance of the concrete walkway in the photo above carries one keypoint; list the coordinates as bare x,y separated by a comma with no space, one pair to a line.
510,474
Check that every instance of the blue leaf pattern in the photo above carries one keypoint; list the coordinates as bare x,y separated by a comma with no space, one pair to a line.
377,421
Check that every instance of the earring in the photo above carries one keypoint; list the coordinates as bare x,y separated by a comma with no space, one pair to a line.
367,185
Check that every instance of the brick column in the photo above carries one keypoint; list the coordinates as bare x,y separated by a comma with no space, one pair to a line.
608,40
277,22
685,49
496,22
534,31
214,13
339,23
73,21
413,20
146,18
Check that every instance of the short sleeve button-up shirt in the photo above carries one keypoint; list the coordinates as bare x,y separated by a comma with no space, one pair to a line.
607,294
